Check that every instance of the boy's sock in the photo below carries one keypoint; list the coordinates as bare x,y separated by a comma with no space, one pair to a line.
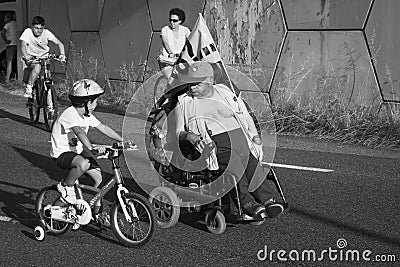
28,91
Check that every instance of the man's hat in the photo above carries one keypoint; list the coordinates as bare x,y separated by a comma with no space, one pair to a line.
195,72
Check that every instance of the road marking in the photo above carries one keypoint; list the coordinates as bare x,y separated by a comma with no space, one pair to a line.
5,219
298,167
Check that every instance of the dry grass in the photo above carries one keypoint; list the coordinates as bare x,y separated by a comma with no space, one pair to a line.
326,115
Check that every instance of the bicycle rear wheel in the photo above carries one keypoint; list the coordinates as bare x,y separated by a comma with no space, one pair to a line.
50,110
141,229
50,196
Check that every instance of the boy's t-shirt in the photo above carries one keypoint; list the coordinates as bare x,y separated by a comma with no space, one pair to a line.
63,138
37,46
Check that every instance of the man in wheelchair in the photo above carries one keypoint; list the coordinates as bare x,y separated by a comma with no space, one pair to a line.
213,120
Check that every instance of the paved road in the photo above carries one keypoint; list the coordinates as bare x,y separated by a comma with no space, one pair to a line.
339,214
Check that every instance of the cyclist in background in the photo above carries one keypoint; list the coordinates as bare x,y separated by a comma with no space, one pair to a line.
69,137
34,43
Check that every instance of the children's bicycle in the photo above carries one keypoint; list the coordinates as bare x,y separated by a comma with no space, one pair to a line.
132,218
44,94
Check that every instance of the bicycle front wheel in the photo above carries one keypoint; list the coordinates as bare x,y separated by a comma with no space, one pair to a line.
141,229
49,196
33,106
50,107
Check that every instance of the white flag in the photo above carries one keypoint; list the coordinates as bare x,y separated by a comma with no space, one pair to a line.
200,45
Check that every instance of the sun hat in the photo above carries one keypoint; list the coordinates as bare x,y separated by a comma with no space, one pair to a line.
195,72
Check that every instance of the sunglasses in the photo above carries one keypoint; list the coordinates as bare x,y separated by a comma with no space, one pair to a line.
174,20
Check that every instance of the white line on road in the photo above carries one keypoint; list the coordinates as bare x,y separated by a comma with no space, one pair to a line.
298,167
5,219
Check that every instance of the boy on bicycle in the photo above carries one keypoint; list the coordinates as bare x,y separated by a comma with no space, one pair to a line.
34,43
69,135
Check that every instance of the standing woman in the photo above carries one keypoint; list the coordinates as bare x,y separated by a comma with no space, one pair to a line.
173,38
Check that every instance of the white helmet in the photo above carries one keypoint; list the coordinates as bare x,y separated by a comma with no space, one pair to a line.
85,88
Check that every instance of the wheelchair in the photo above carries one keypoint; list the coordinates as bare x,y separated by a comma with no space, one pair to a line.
181,189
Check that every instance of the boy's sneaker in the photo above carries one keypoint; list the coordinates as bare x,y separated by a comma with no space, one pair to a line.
273,208
67,193
255,210
28,91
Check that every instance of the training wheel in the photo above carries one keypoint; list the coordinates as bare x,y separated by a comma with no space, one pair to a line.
39,233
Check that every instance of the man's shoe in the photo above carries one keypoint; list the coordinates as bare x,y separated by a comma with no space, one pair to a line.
67,193
273,208
255,210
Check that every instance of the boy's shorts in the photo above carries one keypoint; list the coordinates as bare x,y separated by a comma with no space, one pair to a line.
66,158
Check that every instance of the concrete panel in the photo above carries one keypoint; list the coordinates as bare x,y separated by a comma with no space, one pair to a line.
125,36
85,15
384,42
318,67
159,11
89,43
55,14
33,10
85,57
248,35
155,47
325,14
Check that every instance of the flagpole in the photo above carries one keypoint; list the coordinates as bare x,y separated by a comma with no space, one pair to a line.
222,62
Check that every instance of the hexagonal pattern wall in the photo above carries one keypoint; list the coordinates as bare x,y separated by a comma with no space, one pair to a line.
297,44
384,43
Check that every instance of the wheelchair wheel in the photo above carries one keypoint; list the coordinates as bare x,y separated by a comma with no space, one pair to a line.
141,229
166,206
39,233
216,226
49,196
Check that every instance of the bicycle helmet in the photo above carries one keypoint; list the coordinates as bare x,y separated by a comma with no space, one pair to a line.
83,91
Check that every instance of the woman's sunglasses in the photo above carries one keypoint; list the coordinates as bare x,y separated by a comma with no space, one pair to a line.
174,20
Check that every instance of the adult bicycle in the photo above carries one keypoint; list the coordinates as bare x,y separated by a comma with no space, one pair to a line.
132,218
43,94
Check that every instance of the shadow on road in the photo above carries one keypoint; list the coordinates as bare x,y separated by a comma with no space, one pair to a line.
20,119
345,226
47,164
19,205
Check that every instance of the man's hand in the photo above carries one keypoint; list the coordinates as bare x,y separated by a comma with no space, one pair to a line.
207,149
62,57
257,140
27,58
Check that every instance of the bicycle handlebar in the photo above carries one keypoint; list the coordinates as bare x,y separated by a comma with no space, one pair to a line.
36,59
115,150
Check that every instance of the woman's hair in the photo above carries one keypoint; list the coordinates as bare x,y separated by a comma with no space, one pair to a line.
179,12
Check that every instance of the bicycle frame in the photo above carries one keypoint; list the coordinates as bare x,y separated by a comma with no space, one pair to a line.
100,193
45,95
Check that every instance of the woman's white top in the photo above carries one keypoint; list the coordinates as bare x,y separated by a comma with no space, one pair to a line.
176,43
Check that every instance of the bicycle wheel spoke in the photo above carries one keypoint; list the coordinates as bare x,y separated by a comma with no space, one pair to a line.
140,230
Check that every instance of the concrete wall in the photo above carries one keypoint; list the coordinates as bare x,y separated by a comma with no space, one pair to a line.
296,49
